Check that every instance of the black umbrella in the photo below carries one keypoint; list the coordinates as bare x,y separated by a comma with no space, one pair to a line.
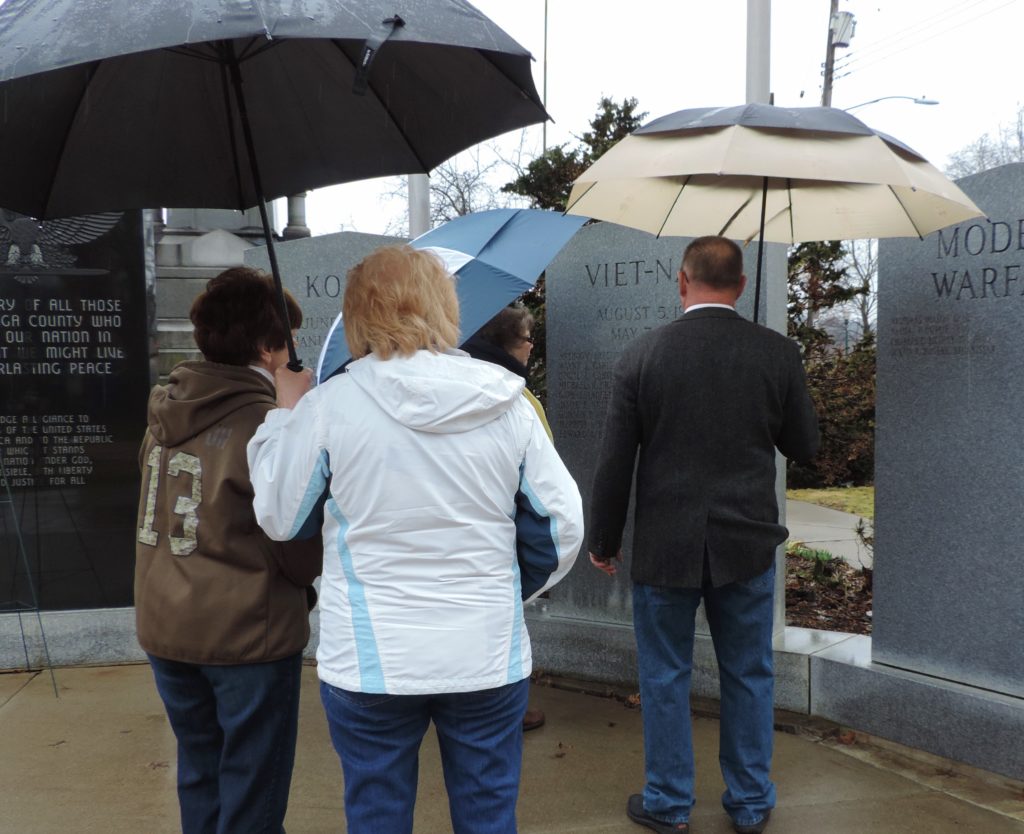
228,103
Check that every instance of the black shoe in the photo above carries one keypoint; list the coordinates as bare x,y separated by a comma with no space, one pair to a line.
635,811
754,827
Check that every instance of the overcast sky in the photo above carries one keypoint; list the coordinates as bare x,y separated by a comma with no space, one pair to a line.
673,54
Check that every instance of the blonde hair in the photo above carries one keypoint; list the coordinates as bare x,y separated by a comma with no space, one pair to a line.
399,300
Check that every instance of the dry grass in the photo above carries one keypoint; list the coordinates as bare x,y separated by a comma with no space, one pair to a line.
857,500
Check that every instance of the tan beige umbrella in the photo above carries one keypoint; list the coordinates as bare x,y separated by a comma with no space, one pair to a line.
781,174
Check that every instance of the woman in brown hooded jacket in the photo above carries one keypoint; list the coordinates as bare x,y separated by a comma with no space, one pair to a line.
221,610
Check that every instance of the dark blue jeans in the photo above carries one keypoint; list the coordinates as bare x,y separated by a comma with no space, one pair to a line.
236,728
377,738
740,618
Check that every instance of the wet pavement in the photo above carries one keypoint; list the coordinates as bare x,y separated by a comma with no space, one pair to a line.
822,528
101,759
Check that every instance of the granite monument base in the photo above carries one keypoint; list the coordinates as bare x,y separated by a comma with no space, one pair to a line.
821,673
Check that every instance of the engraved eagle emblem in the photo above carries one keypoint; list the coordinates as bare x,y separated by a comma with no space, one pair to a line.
42,244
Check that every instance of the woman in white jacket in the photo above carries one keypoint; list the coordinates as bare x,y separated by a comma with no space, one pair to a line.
443,507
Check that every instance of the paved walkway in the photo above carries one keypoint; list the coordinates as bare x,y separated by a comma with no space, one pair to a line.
822,528
101,759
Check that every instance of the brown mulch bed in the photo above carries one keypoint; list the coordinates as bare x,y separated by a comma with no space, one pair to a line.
827,594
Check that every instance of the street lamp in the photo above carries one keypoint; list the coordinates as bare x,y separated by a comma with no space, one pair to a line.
915,99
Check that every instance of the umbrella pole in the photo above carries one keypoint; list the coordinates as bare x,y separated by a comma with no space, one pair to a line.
760,250
294,363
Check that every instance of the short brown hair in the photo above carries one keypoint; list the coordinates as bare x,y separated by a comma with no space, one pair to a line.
714,261
508,328
236,317
400,300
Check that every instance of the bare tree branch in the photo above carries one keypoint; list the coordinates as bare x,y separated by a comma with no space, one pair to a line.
1001,147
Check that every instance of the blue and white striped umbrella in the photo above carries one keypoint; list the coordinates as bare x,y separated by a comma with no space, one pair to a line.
495,256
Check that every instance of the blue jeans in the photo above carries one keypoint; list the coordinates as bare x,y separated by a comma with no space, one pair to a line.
740,617
236,728
377,738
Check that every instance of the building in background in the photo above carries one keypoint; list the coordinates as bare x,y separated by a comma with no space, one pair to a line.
191,247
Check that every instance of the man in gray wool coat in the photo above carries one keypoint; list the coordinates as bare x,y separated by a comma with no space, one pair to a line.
704,402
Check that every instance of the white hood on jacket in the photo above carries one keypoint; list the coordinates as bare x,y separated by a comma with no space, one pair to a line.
437,393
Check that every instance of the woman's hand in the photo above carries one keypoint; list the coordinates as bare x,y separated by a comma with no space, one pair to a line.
291,385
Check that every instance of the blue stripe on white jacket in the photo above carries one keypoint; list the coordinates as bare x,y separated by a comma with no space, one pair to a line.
446,506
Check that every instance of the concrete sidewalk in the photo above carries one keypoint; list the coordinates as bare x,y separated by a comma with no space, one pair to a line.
822,528
101,759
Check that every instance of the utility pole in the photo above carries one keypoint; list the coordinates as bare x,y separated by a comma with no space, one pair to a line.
419,204
544,125
830,56
759,28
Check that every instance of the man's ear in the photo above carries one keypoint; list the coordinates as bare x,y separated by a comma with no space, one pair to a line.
684,283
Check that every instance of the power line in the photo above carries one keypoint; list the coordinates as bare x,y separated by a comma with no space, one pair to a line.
900,36
865,57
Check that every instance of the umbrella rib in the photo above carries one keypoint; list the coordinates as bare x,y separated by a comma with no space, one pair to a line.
911,219
672,208
251,51
789,199
735,214
395,125
192,52
568,208
93,69
218,58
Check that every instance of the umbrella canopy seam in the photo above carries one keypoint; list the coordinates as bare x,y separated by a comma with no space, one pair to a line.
497,231
93,68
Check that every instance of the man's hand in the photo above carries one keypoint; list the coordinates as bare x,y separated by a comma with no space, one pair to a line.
291,385
607,565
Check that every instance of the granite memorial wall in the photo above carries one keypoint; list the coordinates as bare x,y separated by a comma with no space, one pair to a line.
949,564
74,379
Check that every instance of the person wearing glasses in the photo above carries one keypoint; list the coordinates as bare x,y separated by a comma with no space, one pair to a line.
507,340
